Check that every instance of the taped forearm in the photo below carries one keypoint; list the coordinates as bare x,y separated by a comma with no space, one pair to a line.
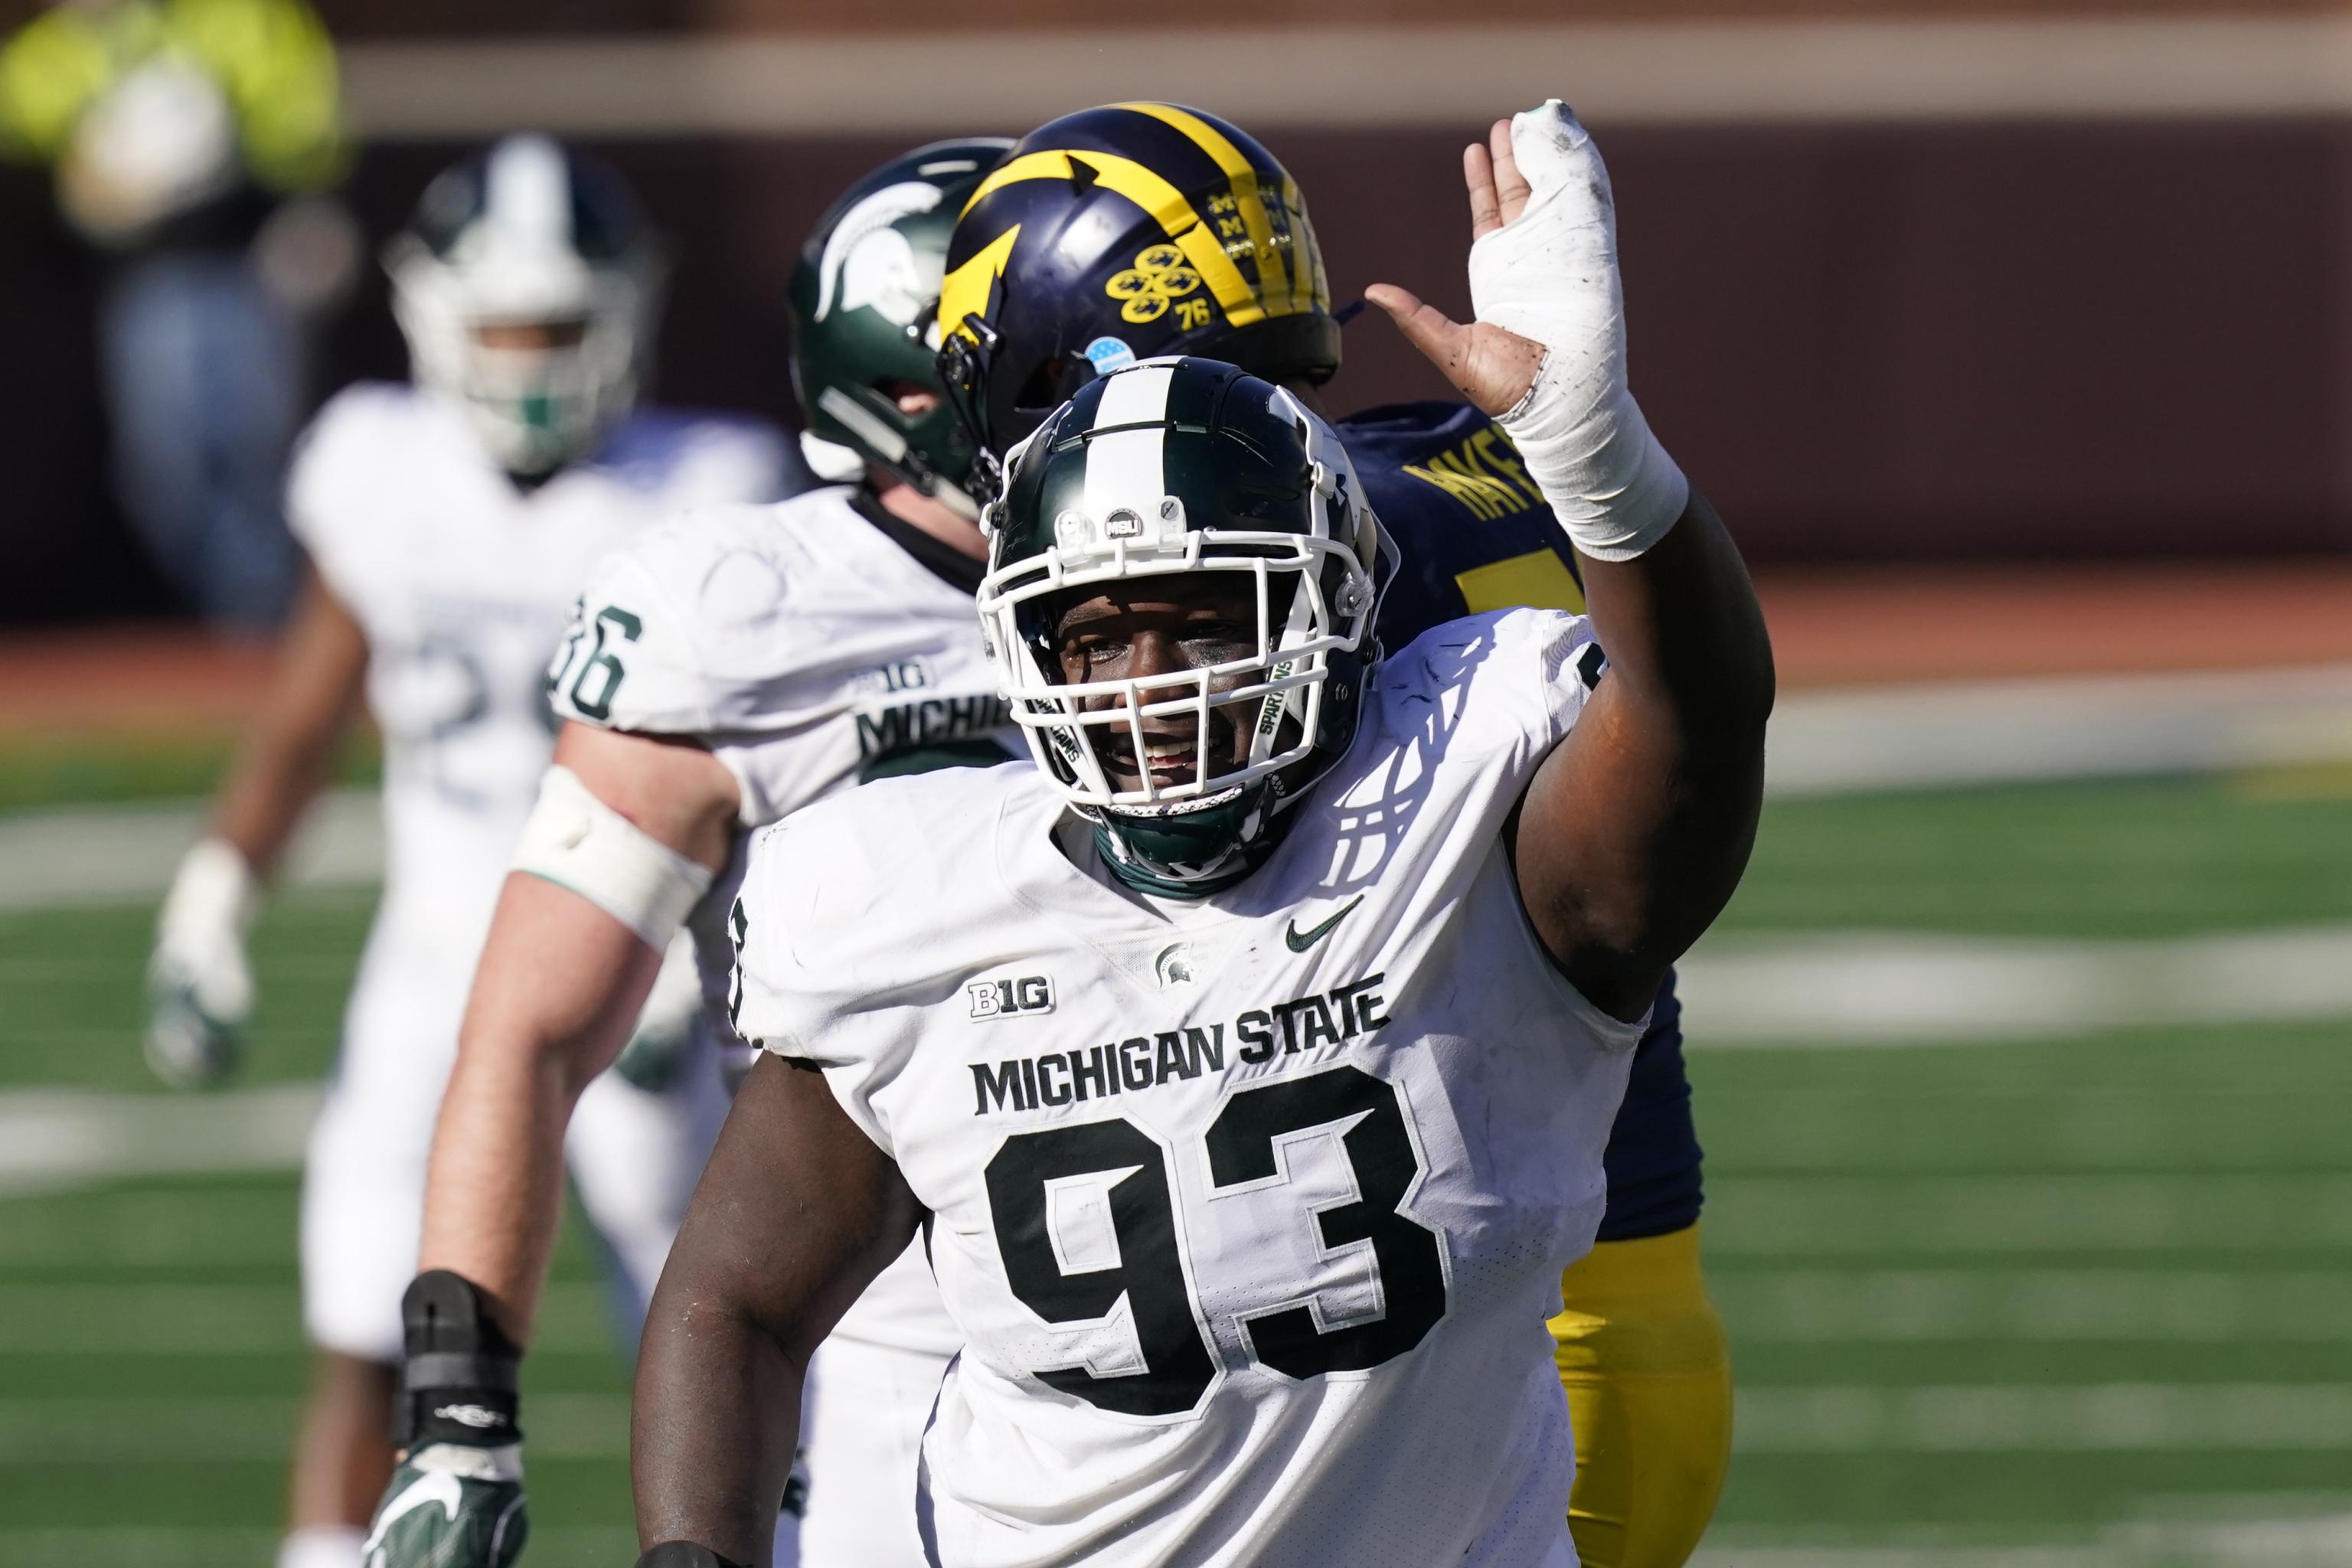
576,841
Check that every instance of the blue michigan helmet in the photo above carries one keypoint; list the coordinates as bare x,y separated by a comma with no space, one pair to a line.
1123,232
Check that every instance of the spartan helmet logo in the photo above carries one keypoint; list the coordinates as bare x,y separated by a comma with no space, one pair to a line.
868,263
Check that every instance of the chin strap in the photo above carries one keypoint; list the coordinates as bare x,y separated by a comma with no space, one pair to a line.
1192,853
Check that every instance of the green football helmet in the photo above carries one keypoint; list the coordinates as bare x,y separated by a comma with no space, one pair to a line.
865,308
1187,466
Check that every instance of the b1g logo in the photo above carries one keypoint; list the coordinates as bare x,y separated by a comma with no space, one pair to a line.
1004,998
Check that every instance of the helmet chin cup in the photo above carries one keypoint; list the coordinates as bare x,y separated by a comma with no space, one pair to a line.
1191,850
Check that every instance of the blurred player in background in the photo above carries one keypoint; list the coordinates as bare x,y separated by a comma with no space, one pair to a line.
1142,230
450,525
190,139
723,672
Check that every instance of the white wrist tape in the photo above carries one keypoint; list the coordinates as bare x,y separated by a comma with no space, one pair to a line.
1551,275
576,841
503,1464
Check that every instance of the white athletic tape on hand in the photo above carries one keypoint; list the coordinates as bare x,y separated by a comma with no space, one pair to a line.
576,841
200,932
1551,275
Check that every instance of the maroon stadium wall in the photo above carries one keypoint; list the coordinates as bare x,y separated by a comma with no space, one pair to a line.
1870,337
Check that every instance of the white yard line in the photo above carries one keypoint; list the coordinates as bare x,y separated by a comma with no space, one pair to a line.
59,1137
1822,742
74,857
215,1546
1817,991
1945,733
1864,989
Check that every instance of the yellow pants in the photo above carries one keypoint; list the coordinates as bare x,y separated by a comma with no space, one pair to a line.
1648,1374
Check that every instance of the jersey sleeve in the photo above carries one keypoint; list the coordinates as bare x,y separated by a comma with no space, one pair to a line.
1501,689
799,990
684,631
629,658
330,480
1568,665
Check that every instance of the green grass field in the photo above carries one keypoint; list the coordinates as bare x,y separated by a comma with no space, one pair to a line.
2057,1305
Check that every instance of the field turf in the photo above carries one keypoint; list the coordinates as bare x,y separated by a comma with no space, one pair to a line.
2058,1305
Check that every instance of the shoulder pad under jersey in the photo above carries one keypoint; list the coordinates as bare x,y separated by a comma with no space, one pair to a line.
1507,684
366,433
816,977
685,631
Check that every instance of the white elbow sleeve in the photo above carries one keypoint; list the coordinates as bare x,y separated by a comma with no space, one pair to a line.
1551,275
576,841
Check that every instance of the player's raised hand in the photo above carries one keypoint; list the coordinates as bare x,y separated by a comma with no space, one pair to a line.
1546,353
1490,365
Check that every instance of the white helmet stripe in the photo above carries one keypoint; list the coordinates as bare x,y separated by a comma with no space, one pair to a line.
528,195
1125,470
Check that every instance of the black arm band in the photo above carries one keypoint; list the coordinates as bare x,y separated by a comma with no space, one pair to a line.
684,1554
459,1381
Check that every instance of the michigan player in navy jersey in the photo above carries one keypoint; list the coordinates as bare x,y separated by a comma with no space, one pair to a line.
1142,230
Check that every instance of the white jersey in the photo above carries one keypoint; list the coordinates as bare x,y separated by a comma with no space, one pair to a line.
810,646
462,582
1251,1209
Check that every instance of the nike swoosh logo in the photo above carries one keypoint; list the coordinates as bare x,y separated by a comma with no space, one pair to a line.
1300,940
441,1488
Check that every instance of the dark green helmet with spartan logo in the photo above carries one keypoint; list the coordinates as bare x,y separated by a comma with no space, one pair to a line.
865,307
1190,467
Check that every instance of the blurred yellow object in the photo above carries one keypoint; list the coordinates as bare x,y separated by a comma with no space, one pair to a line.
104,92
1648,1372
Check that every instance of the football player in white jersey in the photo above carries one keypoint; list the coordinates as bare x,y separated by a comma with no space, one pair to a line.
723,671
1246,1065
450,525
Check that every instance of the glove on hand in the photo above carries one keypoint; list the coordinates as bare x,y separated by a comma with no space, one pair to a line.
199,985
457,1500
451,1507
1551,276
